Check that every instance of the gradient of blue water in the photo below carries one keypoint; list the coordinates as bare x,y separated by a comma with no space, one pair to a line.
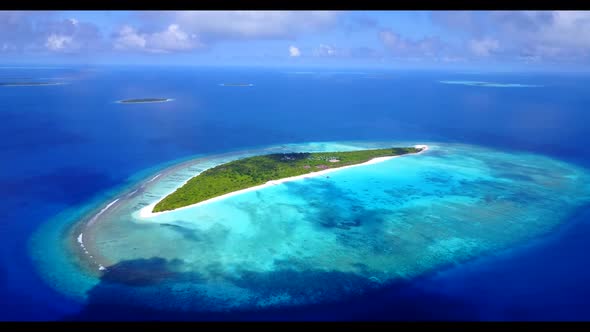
66,145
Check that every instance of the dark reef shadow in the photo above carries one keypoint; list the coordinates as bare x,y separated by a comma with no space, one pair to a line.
109,300
187,233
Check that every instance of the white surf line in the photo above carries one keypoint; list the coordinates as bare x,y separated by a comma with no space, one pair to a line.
81,236
155,177
146,212
101,212
131,193
81,241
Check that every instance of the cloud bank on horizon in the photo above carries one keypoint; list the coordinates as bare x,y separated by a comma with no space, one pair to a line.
436,38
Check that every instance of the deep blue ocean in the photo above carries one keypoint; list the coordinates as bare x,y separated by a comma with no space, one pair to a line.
64,145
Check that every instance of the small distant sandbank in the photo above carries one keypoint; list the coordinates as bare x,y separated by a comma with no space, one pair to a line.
236,84
144,100
31,83
491,84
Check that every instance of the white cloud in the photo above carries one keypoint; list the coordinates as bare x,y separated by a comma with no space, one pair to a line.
58,42
389,38
568,29
44,31
331,51
425,47
70,36
523,34
219,25
484,47
157,31
129,39
294,51
325,50
6,47
450,59
173,38
530,58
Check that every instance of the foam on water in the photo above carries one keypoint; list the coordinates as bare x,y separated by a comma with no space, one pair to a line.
155,177
102,211
323,238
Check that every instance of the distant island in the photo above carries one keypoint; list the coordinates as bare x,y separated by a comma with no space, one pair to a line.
144,100
31,83
236,84
491,84
267,170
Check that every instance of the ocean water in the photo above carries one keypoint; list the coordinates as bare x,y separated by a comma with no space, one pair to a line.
488,224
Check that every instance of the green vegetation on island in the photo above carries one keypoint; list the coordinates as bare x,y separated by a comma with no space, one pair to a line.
253,171
144,100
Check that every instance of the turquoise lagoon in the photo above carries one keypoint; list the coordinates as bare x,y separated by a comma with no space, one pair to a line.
307,241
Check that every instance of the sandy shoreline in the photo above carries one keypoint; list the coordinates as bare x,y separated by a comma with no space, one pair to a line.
146,212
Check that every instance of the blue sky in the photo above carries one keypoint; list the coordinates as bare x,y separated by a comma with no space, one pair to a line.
513,40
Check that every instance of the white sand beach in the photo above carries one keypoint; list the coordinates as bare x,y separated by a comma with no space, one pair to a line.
146,212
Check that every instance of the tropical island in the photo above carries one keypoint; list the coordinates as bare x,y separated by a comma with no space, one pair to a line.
254,171
144,100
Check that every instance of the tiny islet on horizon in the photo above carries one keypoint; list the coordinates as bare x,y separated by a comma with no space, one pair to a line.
163,100
492,84
236,84
144,100
31,84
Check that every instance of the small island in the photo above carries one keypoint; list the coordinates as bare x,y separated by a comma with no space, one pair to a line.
236,84
491,84
144,100
267,169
